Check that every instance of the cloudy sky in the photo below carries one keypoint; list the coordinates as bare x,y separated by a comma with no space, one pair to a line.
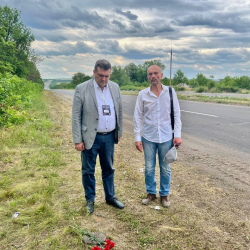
207,36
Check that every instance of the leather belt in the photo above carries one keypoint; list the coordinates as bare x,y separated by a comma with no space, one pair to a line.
104,133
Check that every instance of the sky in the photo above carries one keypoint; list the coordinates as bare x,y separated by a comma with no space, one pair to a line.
211,37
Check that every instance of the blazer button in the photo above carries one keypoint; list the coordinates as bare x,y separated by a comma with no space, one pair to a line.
96,118
95,129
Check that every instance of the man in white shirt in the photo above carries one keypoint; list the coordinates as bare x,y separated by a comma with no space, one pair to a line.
96,127
152,116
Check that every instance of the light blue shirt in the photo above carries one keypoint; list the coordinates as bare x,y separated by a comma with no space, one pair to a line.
106,123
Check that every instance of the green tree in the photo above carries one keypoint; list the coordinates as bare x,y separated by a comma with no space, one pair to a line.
244,82
193,82
158,62
165,81
179,77
119,76
141,74
226,81
79,78
131,71
201,79
16,54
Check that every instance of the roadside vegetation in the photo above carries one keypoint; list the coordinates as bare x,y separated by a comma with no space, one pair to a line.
216,99
134,78
20,80
16,95
58,83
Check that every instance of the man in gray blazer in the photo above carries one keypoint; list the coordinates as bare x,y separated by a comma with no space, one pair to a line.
96,127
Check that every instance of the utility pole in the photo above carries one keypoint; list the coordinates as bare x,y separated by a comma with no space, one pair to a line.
170,66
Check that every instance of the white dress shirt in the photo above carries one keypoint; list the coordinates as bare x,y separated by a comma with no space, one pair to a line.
106,123
152,114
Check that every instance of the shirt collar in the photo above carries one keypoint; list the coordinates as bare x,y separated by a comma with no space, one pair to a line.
164,88
97,86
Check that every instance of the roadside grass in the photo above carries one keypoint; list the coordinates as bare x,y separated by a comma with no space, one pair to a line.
201,98
216,99
41,179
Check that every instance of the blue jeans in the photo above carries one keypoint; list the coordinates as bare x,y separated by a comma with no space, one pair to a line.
150,149
104,146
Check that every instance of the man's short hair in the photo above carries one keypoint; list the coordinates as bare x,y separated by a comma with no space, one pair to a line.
103,64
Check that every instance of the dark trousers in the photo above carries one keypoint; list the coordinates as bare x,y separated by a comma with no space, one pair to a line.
104,146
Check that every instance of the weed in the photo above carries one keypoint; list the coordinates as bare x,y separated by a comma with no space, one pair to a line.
144,241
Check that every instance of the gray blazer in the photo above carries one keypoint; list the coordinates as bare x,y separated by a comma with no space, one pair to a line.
85,113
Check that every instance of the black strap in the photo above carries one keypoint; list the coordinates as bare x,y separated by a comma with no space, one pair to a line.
172,107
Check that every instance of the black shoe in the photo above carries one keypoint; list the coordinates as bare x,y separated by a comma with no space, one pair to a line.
115,203
90,207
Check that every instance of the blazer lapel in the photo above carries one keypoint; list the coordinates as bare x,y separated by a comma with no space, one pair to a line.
112,91
92,92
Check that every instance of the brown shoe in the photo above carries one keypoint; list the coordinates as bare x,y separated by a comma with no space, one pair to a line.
165,201
150,197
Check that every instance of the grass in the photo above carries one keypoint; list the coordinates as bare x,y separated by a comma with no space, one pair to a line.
200,98
216,99
41,179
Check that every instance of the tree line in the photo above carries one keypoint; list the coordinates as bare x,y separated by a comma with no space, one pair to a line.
134,77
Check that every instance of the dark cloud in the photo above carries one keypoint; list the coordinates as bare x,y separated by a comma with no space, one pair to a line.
164,28
68,49
234,23
47,15
119,24
73,24
127,14
109,46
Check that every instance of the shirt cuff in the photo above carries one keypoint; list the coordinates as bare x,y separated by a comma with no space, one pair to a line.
137,138
177,134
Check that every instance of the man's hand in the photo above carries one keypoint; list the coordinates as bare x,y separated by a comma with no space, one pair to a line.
79,146
177,141
119,138
138,145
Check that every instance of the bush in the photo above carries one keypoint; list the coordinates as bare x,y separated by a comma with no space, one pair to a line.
215,90
211,84
131,87
179,88
228,89
200,90
16,95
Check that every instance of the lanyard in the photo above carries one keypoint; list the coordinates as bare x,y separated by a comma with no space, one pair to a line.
102,97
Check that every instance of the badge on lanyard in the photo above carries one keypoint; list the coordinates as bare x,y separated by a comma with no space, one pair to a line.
106,110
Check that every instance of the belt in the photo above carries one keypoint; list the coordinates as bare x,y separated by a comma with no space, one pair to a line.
104,133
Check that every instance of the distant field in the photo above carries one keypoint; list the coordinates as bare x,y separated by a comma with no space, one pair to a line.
55,82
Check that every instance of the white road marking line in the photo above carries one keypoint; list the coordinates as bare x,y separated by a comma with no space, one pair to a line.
125,101
198,113
237,124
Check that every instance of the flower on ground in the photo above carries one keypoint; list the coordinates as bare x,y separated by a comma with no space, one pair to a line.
109,245
96,248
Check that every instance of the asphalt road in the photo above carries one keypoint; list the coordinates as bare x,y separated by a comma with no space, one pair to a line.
228,125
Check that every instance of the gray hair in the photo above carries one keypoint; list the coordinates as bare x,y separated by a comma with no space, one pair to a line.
103,64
